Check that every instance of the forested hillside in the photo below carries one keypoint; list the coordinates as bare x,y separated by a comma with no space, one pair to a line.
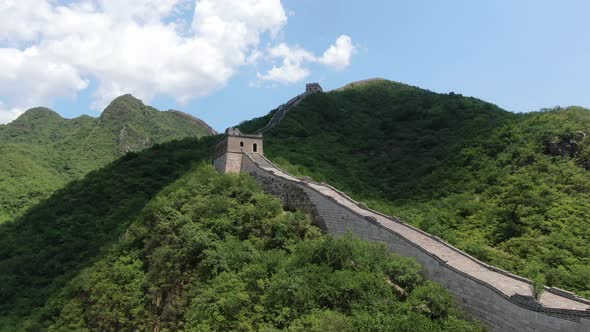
42,151
511,189
159,241
53,241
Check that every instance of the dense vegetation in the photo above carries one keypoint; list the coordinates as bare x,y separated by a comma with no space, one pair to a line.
157,240
46,247
510,189
213,253
42,151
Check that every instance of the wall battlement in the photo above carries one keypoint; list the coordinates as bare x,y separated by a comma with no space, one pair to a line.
500,299
313,88
229,150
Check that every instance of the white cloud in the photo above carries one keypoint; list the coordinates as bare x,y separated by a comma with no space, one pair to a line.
7,115
142,10
338,56
27,79
180,48
292,68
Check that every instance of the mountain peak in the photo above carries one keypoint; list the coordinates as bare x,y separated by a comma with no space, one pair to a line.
126,98
37,114
363,82
122,106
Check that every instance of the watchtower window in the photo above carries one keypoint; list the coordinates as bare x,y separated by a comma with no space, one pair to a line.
254,147
241,144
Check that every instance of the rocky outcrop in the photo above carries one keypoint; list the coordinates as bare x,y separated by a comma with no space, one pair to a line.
566,146
129,140
574,146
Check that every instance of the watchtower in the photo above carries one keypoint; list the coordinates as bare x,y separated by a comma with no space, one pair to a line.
313,88
231,148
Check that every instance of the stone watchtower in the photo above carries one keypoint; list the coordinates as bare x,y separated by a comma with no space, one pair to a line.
231,148
313,88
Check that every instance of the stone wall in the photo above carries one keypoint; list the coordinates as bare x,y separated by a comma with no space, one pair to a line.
480,299
229,162
280,113
229,150
313,88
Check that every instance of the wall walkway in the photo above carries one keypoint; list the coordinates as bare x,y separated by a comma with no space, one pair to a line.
500,299
280,113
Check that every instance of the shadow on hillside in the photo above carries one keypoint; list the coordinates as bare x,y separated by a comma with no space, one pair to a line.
54,240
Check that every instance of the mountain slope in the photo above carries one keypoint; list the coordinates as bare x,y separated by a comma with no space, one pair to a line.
510,189
151,240
115,250
382,128
41,151
54,240
118,251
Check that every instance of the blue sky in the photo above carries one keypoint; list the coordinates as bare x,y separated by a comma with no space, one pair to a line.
521,55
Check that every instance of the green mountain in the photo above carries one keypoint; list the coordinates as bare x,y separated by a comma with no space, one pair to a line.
158,240
42,151
510,189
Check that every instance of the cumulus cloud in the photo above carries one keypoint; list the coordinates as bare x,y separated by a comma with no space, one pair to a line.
338,56
27,78
184,49
294,59
291,70
7,115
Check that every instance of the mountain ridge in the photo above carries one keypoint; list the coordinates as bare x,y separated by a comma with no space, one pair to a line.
59,150
116,107
509,189
38,112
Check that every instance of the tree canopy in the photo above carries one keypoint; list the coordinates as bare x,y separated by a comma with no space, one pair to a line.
214,253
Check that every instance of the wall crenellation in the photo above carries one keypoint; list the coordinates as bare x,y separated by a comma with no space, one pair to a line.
313,88
229,149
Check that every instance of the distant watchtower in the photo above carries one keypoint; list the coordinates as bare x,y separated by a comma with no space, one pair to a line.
230,149
313,88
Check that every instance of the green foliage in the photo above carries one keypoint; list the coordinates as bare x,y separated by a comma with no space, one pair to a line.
322,321
49,245
538,286
154,242
42,152
211,252
510,189
111,297
251,126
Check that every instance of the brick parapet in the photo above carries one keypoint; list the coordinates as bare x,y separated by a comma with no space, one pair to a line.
552,290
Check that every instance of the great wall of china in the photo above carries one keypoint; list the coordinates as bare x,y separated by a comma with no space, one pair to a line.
501,300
